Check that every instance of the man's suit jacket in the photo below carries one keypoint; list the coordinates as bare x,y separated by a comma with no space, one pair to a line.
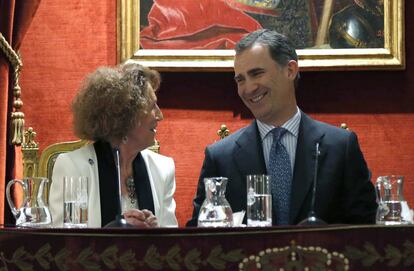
161,173
344,191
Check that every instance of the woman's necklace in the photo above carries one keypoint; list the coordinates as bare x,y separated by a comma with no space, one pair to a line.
130,185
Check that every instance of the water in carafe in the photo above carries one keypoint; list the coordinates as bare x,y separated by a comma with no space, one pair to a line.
34,211
392,209
215,210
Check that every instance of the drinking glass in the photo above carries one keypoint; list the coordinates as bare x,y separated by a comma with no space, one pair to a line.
259,201
75,202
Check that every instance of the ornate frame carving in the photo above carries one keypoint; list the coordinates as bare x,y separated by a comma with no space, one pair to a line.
392,56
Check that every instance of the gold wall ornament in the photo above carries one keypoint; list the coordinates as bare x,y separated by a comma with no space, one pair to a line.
344,126
17,116
223,131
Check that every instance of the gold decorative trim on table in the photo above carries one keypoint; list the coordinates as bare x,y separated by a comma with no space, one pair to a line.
112,258
304,258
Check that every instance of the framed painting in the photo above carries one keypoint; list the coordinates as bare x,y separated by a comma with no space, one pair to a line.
188,35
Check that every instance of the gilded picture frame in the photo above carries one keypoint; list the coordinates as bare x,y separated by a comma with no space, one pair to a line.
390,57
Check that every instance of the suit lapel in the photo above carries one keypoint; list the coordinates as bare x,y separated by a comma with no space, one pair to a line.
303,172
249,154
248,157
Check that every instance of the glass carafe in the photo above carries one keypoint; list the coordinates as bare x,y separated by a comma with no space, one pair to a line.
34,211
215,210
392,206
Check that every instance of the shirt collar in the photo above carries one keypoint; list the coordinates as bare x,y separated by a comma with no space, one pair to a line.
292,125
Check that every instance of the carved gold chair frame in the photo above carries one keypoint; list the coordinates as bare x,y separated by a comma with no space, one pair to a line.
35,165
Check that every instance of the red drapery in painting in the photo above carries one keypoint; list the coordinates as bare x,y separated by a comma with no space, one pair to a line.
195,25
217,24
15,18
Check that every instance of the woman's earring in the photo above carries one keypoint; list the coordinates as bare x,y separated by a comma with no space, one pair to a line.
124,139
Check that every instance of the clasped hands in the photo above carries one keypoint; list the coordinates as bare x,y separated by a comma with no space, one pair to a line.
141,218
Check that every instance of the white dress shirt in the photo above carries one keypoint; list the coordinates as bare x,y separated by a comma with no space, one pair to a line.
289,139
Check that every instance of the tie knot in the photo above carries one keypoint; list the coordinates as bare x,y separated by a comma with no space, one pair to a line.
278,132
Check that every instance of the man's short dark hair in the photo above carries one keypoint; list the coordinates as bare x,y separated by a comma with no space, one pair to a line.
280,47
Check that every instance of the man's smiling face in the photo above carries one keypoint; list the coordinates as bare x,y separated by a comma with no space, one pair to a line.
265,87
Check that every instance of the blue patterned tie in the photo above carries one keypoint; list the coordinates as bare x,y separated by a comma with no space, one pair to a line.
281,178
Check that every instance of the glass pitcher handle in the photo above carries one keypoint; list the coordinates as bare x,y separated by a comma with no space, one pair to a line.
9,199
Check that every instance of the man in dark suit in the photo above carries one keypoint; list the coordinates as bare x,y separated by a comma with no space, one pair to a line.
266,72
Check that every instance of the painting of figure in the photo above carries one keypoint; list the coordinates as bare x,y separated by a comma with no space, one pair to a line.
359,25
219,24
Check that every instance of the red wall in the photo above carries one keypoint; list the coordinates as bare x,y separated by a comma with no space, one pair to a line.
69,39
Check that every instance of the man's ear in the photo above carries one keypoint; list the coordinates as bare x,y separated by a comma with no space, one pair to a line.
292,69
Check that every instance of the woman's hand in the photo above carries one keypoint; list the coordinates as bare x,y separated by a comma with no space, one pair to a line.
141,218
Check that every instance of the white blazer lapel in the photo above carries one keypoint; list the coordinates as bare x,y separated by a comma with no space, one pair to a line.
94,210
155,179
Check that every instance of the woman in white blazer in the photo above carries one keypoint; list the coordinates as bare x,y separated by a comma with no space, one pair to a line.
116,109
